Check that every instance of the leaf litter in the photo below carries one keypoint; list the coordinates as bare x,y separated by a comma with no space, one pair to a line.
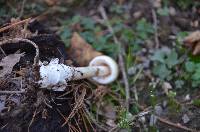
8,62
25,93
193,41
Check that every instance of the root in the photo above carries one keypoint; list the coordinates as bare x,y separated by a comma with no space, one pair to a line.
78,105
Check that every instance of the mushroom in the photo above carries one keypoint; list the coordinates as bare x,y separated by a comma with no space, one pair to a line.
101,69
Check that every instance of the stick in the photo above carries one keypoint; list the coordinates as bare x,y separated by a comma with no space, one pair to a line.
3,51
134,88
175,125
12,92
155,23
121,60
14,24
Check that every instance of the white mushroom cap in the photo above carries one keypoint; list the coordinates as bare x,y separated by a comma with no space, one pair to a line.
112,66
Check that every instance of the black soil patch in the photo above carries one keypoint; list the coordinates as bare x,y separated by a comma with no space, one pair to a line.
37,109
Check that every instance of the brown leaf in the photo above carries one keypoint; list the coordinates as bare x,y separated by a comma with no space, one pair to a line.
196,49
80,51
51,2
193,41
192,38
166,87
109,111
8,62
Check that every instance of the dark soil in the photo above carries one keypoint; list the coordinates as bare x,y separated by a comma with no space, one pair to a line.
36,109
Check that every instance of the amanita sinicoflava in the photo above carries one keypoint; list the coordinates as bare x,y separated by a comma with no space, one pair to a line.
101,69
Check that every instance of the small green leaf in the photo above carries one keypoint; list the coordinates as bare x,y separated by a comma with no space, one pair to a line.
162,71
190,66
196,102
88,23
76,19
184,4
88,36
172,59
163,11
196,75
181,35
179,83
65,36
194,58
115,8
172,94
158,56
144,29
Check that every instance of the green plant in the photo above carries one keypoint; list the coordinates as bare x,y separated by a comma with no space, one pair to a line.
115,8
179,41
174,106
135,38
6,11
144,29
196,102
164,63
164,11
193,70
184,4
89,31
65,34
124,119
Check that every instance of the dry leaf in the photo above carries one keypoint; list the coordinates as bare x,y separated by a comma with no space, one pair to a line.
193,41
51,2
196,49
80,51
109,111
100,91
8,62
166,87
111,123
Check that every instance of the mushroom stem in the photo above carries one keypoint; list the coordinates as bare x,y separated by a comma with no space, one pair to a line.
101,69
90,71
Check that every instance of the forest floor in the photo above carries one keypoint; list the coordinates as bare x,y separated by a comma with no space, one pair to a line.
158,85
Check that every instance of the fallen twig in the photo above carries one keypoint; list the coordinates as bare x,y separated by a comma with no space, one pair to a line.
155,24
3,51
89,121
32,120
134,80
12,92
84,122
179,126
120,56
14,24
